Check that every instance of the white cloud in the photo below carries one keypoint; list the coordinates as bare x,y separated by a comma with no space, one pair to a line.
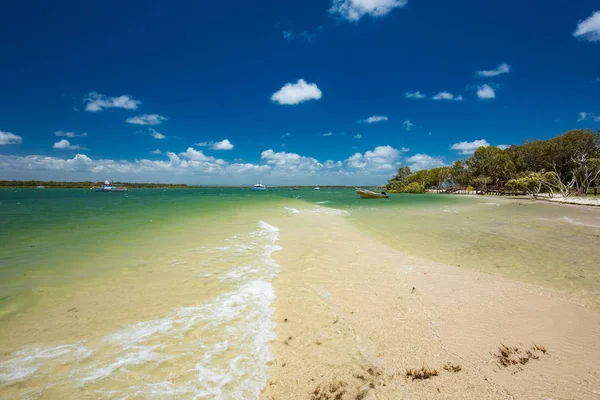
222,145
290,162
408,125
404,149
328,134
503,146
70,134
295,93
596,119
447,96
288,35
582,116
374,119
146,119
157,151
353,10
485,92
358,136
424,161
64,144
98,102
503,68
197,155
380,158
589,28
9,138
414,95
286,135
468,148
156,135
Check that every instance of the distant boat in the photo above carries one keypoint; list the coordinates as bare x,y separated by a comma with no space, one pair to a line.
109,187
367,194
40,187
317,188
295,188
259,186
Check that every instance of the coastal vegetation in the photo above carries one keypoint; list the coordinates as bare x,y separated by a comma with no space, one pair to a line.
568,164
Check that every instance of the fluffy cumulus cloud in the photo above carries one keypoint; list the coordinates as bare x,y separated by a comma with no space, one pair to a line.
381,158
156,135
424,161
374,119
485,92
70,134
146,119
358,136
353,10
97,102
503,68
414,95
589,28
296,93
503,146
222,145
468,148
447,96
192,166
9,138
64,144
293,163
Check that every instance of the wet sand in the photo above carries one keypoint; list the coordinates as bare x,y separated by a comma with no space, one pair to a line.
353,315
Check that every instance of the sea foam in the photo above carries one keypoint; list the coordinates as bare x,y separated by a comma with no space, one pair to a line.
218,349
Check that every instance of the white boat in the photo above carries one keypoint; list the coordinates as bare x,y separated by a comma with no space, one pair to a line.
317,188
259,186
109,187
367,194
41,187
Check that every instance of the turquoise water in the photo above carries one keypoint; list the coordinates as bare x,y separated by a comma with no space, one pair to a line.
160,293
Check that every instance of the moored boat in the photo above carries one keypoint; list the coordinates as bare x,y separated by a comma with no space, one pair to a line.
259,186
109,187
317,188
367,194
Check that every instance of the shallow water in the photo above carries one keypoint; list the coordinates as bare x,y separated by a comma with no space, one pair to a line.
158,293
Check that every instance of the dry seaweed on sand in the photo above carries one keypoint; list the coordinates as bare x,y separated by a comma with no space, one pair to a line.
507,356
452,367
421,373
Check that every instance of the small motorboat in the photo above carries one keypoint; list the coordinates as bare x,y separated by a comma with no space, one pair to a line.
41,187
259,186
317,188
109,187
367,194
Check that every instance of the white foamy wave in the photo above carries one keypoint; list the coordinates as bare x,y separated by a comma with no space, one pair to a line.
292,210
323,202
27,362
573,222
491,204
218,349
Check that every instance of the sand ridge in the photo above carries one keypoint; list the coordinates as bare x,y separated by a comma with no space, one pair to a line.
354,316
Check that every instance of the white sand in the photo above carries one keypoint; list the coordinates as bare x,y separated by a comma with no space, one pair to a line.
350,325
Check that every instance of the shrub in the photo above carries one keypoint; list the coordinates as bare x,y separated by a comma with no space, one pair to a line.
414,187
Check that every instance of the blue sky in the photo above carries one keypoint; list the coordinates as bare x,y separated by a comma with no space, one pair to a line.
287,92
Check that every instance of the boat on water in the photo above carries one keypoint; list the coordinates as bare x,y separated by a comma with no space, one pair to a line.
317,188
41,187
259,186
367,194
109,187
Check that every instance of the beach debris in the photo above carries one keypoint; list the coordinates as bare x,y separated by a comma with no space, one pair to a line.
358,386
507,356
421,373
413,290
452,368
285,320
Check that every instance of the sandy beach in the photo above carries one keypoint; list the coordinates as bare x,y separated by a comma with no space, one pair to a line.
353,316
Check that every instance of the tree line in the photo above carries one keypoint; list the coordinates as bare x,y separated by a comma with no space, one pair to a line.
85,184
568,164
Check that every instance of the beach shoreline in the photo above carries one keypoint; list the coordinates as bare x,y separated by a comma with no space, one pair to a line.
353,316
